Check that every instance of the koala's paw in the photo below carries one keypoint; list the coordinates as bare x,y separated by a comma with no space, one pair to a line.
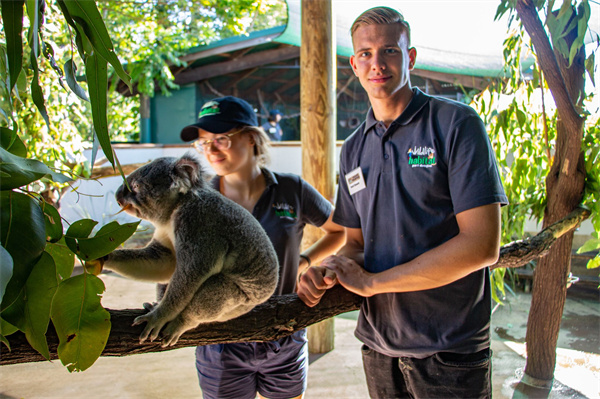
94,266
154,323
173,330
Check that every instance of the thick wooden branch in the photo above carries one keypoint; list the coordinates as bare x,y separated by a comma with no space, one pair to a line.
533,25
278,317
519,253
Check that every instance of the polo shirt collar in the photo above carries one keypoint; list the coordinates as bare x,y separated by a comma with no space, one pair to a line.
270,179
417,102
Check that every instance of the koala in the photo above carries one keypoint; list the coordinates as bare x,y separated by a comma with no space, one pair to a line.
216,259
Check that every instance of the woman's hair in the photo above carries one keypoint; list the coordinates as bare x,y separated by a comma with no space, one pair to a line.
262,146
381,16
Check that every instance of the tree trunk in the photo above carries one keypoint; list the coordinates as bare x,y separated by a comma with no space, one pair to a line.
278,317
318,118
564,187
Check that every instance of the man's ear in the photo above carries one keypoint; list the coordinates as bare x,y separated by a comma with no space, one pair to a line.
353,64
412,56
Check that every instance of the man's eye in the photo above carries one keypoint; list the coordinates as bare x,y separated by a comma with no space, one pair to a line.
364,54
221,140
391,51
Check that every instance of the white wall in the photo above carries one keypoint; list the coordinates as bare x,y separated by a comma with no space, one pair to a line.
96,199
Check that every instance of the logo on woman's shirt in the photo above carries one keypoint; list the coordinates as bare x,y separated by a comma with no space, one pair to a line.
284,210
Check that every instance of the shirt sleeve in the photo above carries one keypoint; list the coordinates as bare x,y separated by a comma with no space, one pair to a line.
315,208
473,175
345,213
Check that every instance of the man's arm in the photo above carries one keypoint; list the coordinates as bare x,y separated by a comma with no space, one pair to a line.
314,281
476,246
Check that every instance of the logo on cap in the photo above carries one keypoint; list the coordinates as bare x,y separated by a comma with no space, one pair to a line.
210,108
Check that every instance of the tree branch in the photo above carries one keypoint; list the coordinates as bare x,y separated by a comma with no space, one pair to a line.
276,318
547,61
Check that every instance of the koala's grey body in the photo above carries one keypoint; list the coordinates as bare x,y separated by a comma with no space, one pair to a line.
217,260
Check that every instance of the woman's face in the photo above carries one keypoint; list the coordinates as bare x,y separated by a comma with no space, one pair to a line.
237,157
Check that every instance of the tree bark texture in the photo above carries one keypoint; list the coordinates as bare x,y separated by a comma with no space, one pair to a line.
564,187
278,317
317,125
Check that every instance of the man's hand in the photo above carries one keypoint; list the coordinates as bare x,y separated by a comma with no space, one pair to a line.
350,275
313,283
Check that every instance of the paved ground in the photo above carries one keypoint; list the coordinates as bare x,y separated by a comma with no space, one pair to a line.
337,374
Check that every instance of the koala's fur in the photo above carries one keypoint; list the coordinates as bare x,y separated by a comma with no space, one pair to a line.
217,260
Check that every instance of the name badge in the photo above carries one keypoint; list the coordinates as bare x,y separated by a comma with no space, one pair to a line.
355,181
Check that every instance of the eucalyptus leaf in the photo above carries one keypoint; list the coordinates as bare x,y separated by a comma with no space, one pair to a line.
10,141
106,240
590,245
31,311
6,270
5,330
12,19
22,234
54,228
594,263
64,259
97,76
81,323
70,75
23,171
86,13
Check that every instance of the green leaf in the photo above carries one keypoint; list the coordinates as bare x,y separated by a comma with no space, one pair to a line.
106,240
86,14
70,75
81,323
54,228
6,270
18,171
12,19
96,72
5,330
590,62
64,259
31,312
590,245
36,93
81,228
594,263
22,234
10,141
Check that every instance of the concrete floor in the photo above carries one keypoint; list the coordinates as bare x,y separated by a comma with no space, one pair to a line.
337,374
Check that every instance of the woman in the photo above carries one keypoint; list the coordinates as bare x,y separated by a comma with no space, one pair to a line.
227,134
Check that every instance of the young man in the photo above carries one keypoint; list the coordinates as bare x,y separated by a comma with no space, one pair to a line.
420,198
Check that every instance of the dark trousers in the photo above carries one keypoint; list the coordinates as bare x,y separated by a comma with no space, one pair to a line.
443,375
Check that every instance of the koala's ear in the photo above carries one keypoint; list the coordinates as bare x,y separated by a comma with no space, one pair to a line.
189,172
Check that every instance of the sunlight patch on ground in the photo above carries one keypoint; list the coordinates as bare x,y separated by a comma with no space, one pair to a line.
580,369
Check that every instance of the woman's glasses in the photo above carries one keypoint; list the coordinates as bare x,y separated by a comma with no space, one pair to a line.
220,143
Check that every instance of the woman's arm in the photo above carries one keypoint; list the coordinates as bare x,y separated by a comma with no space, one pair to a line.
334,238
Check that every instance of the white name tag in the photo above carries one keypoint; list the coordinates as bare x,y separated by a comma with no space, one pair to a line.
355,181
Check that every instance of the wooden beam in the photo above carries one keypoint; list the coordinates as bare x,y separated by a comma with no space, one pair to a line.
228,48
247,62
463,80
318,67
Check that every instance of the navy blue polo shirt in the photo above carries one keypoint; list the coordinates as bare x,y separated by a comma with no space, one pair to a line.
287,205
430,164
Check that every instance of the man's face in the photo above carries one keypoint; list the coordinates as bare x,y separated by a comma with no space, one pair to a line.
382,60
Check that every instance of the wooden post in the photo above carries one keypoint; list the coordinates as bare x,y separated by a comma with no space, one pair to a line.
318,123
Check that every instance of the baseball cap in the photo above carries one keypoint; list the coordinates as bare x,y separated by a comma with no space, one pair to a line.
220,115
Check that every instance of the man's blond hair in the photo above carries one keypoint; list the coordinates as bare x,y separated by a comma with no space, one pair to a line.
381,16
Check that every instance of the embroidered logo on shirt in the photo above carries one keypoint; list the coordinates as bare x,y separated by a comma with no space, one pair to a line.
284,210
421,157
